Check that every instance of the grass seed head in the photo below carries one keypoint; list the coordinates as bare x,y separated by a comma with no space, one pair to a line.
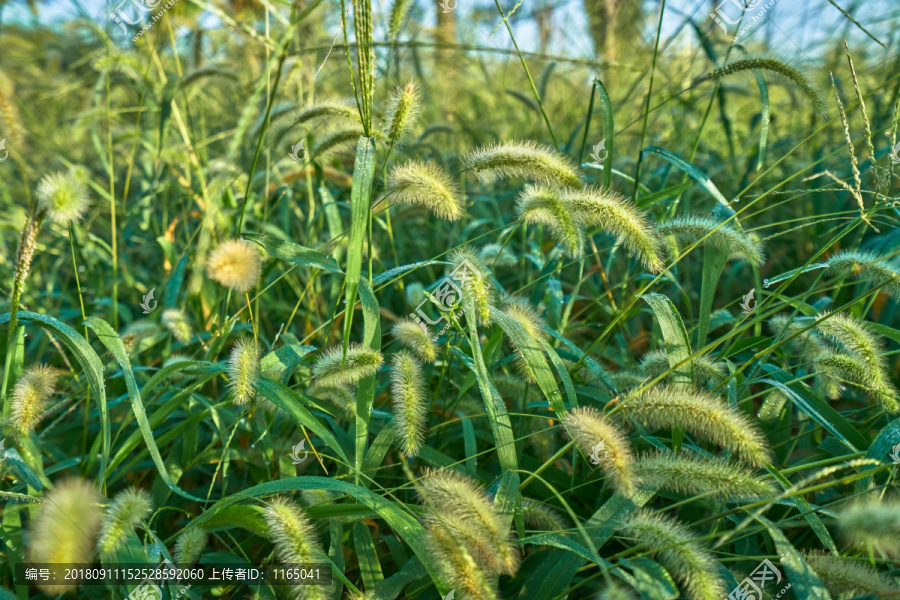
66,528
189,545
702,415
416,338
30,396
542,517
694,475
360,362
676,548
128,508
476,286
458,566
458,504
873,522
243,370
425,184
845,578
402,112
866,266
595,435
410,402
522,159
236,264
292,532
177,323
63,197
722,238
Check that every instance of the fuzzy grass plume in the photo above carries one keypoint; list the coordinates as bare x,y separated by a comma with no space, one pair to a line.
596,436
128,508
236,264
425,184
360,362
873,522
866,266
525,315
458,504
416,338
474,279
702,415
176,321
458,566
845,578
243,370
65,529
295,541
337,142
338,394
410,402
31,395
693,475
656,362
722,238
189,545
522,159
64,198
569,213
787,73
402,112
676,548
864,363
542,517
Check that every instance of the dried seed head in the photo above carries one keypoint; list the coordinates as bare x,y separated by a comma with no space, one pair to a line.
65,529
410,402
236,264
243,370
63,197
30,396
416,338
178,325
128,509
360,362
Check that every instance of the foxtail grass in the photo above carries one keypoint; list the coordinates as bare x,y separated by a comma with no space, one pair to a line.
410,402
604,442
522,159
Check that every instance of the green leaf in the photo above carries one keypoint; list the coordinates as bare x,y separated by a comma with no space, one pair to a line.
292,253
692,171
360,210
90,363
369,567
109,338
609,129
365,391
649,578
805,583
170,293
804,508
678,345
533,356
283,360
